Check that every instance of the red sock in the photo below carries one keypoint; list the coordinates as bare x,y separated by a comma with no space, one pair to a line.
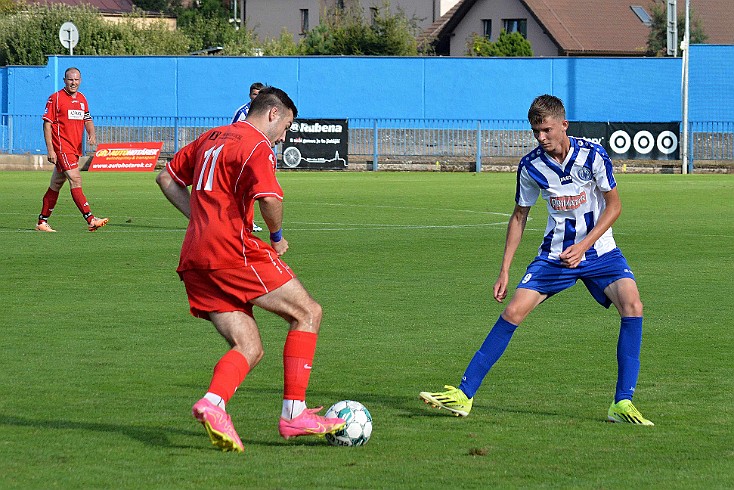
81,203
49,202
229,373
298,353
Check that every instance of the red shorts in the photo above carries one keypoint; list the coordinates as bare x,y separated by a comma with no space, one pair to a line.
221,290
66,161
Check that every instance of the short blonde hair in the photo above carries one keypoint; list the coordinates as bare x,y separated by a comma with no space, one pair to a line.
545,106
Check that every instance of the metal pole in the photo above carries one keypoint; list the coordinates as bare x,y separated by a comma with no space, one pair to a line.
175,134
478,165
374,146
10,133
686,58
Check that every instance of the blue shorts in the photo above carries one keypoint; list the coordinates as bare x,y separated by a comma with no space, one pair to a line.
551,278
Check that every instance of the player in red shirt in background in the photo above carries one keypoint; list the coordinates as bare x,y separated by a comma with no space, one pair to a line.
64,121
227,270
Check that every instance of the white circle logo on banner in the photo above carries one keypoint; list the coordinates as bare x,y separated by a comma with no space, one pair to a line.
667,142
620,141
644,142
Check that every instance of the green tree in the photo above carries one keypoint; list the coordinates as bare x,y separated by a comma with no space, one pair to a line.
507,45
345,32
137,34
285,45
394,35
208,25
657,40
30,34
153,5
208,9
7,6
206,32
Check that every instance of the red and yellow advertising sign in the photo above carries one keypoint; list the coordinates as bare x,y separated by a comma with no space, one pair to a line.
126,157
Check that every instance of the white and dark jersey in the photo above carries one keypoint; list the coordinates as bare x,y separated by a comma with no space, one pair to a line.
574,193
241,113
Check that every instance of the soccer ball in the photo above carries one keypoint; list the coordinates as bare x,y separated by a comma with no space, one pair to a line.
359,424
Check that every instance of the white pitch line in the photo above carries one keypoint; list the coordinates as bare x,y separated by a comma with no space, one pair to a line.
314,227
413,208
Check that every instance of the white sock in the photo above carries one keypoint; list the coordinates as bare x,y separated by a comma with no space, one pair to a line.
215,399
292,408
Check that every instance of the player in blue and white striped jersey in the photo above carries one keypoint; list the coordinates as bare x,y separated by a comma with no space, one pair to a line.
576,180
574,195
241,113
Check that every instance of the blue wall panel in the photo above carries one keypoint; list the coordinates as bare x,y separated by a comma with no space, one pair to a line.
594,89
28,89
217,86
361,87
3,91
619,89
130,86
711,83
474,89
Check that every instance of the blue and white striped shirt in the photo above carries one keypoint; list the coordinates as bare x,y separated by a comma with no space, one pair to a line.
241,113
574,194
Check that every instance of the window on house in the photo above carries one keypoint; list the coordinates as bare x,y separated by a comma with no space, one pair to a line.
374,13
304,21
642,14
516,25
487,28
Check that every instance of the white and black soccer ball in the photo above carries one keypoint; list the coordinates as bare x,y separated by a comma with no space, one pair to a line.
359,424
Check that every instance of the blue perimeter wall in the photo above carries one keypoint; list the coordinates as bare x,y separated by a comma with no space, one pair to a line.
594,89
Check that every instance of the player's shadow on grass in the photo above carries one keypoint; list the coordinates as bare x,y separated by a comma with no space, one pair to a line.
147,435
150,436
410,405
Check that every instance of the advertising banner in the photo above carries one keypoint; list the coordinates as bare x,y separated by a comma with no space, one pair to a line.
632,141
125,157
316,144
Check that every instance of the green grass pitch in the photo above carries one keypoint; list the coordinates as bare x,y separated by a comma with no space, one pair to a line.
100,360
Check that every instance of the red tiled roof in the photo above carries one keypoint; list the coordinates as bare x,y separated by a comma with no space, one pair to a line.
449,19
716,18
592,26
104,6
598,27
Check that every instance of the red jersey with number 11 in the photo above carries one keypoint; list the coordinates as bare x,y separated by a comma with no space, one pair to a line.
228,168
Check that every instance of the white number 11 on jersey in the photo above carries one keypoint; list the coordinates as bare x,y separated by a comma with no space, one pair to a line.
210,154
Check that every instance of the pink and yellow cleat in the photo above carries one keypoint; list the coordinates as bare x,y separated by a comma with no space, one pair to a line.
310,424
97,223
218,425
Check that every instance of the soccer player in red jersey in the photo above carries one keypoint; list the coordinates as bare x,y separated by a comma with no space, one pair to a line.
226,269
64,121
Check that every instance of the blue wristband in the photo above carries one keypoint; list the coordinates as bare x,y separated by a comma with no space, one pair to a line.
277,236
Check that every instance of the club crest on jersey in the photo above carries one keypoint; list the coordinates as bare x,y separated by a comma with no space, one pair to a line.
567,203
584,174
